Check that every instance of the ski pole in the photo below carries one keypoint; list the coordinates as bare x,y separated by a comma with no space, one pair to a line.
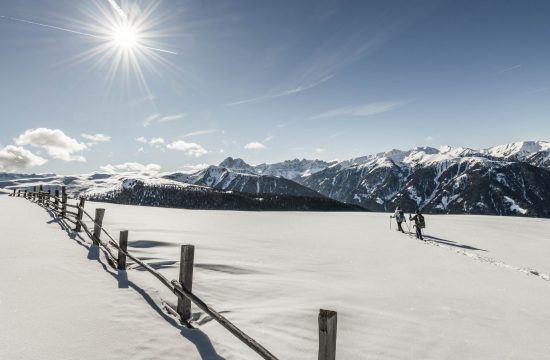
408,227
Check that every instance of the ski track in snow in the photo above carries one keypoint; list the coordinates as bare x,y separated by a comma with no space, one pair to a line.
526,270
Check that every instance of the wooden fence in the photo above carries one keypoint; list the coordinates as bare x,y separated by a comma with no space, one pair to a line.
182,288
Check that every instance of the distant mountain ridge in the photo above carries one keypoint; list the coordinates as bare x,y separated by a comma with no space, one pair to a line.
242,179
510,179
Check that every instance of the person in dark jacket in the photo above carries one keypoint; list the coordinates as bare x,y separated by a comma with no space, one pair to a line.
399,216
418,219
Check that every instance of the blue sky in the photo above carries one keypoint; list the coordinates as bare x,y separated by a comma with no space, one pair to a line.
268,80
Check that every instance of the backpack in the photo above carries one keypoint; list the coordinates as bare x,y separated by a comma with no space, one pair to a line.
401,216
421,221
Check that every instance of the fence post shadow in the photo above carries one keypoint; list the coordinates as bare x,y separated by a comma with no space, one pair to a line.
122,278
197,337
93,252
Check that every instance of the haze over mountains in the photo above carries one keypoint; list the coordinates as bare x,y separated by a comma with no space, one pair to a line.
511,179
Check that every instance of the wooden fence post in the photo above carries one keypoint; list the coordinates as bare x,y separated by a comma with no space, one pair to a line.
327,334
78,227
63,201
25,195
56,199
99,214
49,195
186,280
14,192
123,243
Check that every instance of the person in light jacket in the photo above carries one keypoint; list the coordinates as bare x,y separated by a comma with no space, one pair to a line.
399,216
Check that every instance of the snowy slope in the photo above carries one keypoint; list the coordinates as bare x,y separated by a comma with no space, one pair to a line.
58,302
468,293
92,184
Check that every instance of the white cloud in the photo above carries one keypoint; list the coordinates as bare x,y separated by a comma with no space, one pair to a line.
156,141
131,167
16,158
254,146
268,139
96,137
361,110
429,139
192,149
320,150
159,118
55,142
199,132
189,168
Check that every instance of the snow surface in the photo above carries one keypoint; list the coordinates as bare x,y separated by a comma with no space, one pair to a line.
478,289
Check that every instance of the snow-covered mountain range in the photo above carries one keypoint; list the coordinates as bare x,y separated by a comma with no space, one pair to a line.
511,179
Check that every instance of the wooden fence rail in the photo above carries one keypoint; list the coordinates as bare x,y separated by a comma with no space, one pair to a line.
182,288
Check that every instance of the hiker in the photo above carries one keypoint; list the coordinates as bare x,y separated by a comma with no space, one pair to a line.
419,223
399,216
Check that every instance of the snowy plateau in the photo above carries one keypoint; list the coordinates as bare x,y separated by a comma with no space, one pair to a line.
477,289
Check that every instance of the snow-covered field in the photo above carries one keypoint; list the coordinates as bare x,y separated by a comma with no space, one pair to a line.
479,289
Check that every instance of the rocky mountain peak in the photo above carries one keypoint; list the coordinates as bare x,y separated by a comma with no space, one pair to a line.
236,164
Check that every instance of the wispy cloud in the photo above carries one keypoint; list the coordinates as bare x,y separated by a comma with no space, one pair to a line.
118,9
191,168
143,99
171,117
159,118
97,137
294,90
338,51
364,110
199,132
511,68
131,167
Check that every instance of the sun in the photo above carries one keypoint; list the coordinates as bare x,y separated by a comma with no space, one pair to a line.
125,37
